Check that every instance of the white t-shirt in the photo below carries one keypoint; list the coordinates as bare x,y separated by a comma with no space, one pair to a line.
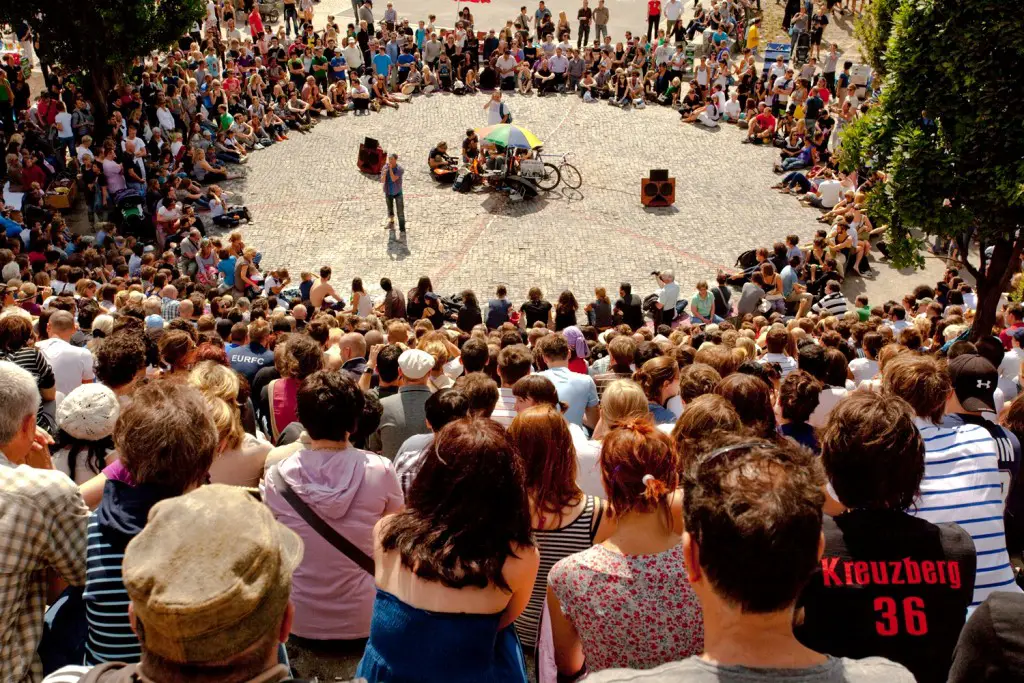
505,65
828,399
494,112
863,369
830,190
673,10
166,119
71,365
64,119
732,109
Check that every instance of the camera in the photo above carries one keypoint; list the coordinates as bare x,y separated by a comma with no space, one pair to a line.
656,273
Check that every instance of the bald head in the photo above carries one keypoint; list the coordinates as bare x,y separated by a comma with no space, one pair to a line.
372,338
61,324
185,310
299,312
169,292
352,345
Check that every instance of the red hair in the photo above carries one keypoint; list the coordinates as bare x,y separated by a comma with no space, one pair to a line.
638,467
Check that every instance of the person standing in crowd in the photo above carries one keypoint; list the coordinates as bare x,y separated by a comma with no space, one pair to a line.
456,567
42,526
350,490
761,502
962,481
585,15
72,366
874,460
166,442
391,179
564,520
229,624
626,601
653,18
403,414
576,390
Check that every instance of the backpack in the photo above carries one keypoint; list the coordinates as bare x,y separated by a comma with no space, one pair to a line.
506,115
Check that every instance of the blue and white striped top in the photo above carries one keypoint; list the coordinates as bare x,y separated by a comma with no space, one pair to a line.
111,638
962,484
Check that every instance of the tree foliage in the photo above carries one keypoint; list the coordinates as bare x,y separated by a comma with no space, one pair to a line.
101,38
873,29
949,135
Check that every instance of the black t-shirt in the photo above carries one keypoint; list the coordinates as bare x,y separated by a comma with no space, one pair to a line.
536,311
632,311
890,585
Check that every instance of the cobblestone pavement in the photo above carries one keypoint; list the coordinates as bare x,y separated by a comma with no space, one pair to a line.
311,206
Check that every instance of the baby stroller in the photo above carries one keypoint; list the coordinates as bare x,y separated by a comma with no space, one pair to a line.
801,48
132,214
270,12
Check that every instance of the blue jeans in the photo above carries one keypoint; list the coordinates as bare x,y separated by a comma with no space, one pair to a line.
714,318
793,163
396,202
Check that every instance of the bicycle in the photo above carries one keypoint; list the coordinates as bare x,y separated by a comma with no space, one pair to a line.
564,172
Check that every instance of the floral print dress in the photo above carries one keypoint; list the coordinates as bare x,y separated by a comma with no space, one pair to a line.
635,611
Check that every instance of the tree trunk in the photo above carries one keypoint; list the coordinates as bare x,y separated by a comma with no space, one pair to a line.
991,284
101,80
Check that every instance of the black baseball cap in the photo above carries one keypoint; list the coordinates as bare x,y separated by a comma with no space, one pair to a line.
974,381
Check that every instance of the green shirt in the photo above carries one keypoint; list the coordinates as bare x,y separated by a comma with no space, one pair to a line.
864,313
319,74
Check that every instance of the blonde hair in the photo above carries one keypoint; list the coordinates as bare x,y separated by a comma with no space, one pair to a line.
219,386
623,400
213,379
228,421
437,349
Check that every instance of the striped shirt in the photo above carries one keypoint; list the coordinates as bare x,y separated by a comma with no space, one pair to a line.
505,409
962,484
555,544
833,303
111,638
409,458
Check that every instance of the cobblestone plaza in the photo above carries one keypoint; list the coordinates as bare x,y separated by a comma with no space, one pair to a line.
311,206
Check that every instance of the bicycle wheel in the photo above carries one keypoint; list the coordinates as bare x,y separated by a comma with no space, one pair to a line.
570,176
551,177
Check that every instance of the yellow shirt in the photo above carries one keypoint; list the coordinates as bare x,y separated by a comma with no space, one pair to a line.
753,37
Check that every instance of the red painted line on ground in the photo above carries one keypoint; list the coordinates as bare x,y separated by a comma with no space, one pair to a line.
460,255
321,202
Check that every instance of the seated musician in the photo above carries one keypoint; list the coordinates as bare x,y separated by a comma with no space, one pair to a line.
443,168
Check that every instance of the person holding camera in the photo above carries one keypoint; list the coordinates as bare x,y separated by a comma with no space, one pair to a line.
668,295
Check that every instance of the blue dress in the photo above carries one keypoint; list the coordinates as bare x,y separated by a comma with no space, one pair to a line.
411,645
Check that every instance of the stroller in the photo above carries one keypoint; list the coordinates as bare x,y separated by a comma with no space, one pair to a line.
270,11
131,211
801,48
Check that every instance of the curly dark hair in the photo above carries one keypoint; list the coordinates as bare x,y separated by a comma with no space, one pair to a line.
753,503
120,357
873,452
799,395
466,510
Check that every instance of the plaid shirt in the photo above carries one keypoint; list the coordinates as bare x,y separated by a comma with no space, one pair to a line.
169,309
42,524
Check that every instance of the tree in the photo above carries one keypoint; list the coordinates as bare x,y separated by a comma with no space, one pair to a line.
102,38
873,29
948,135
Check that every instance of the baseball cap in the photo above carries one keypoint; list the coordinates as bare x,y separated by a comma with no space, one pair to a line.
210,574
154,321
1017,333
89,412
974,381
415,364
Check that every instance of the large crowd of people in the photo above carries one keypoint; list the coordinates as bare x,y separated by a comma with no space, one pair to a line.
211,472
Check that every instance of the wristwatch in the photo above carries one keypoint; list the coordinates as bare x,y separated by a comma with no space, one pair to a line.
368,370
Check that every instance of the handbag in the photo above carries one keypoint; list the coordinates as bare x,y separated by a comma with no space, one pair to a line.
326,531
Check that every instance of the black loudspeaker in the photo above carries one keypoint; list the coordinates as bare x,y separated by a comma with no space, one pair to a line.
658,189
371,157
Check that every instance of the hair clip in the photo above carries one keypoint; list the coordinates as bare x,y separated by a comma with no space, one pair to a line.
647,479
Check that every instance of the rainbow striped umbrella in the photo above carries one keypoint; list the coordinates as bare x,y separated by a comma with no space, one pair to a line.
509,135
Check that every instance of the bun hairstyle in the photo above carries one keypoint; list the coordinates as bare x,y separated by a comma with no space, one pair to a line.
655,374
638,467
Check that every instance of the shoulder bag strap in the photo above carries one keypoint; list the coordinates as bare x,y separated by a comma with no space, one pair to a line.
598,514
326,531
